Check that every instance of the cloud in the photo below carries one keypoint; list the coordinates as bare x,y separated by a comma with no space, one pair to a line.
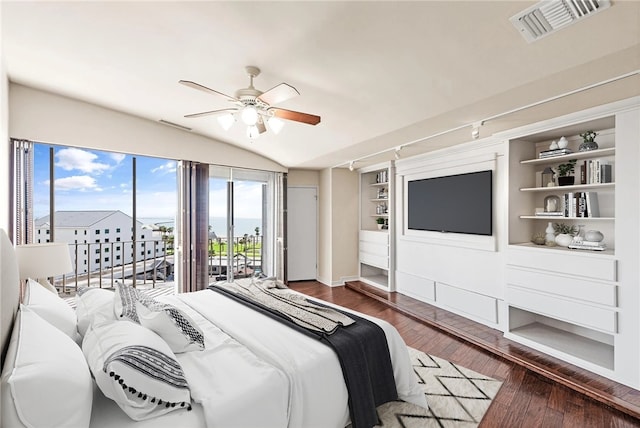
82,160
166,168
77,182
117,157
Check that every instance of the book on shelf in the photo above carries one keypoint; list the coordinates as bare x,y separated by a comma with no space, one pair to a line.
582,246
554,152
550,213
581,204
596,171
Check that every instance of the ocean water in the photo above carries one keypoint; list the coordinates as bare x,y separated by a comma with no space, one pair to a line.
218,225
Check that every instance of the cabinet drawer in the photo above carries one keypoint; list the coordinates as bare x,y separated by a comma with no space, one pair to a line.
475,304
565,310
374,260
578,264
578,288
374,248
374,236
415,286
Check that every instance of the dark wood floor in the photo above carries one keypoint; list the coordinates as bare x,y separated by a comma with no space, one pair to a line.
526,399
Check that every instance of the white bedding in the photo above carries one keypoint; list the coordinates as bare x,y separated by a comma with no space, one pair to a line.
289,375
258,372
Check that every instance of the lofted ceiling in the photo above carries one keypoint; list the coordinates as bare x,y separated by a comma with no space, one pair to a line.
381,74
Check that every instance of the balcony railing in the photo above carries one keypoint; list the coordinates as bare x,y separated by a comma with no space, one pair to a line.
151,262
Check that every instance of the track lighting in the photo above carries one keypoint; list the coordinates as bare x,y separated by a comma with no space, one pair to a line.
396,152
475,131
351,166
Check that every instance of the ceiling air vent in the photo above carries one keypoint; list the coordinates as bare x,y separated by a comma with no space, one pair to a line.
551,15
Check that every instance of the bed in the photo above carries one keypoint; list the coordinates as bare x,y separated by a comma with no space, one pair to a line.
231,366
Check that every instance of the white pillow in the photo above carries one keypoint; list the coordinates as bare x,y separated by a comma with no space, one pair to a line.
93,304
134,367
52,308
180,332
46,381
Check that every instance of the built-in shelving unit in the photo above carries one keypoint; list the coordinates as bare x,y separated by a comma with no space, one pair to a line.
376,226
563,301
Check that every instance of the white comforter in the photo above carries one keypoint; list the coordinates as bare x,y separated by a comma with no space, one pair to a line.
258,372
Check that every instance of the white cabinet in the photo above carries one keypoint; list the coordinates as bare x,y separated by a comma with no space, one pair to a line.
376,260
578,305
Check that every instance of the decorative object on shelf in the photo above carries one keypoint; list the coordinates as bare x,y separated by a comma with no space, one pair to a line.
589,141
548,177
563,143
579,236
563,228
380,222
593,236
564,240
551,205
564,173
550,236
553,145
538,238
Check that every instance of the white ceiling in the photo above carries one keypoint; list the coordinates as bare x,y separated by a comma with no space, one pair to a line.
378,73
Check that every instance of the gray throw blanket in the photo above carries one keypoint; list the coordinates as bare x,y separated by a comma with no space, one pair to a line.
293,305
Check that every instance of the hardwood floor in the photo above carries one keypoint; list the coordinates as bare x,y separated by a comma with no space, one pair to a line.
526,399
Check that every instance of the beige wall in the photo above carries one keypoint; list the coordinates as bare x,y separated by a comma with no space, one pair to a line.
344,221
338,228
50,118
324,227
303,178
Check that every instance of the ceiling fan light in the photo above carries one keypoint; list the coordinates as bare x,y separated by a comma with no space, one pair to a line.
253,132
275,124
226,121
249,115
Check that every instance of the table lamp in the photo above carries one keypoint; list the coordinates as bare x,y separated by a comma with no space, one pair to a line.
42,261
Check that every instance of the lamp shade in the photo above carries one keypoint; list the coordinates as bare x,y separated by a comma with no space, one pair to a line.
43,260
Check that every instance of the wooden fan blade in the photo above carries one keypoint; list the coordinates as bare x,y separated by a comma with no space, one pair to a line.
207,113
296,116
261,127
278,94
198,86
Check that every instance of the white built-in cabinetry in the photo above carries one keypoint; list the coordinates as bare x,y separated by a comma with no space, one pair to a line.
376,236
578,305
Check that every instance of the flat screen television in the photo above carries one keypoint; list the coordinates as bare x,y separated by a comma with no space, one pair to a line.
459,203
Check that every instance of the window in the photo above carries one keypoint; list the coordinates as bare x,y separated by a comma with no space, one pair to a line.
85,231
118,239
97,241
98,251
106,259
117,230
75,232
117,257
106,249
47,231
106,231
97,261
106,239
97,231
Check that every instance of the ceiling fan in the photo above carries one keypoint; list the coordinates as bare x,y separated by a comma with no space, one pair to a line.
255,107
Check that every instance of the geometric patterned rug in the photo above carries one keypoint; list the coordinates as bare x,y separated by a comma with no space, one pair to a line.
457,397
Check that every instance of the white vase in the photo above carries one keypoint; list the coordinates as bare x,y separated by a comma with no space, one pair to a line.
563,143
564,239
550,236
593,236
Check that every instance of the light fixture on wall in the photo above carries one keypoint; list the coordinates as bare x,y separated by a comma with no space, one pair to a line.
396,152
43,261
475,130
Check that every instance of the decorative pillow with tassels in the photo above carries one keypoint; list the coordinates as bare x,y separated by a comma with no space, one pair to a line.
136,368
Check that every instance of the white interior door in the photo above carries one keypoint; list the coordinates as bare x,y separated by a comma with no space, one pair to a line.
302,225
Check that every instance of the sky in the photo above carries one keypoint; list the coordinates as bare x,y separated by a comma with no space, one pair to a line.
97,180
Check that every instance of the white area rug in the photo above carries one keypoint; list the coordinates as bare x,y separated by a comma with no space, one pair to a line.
457,397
